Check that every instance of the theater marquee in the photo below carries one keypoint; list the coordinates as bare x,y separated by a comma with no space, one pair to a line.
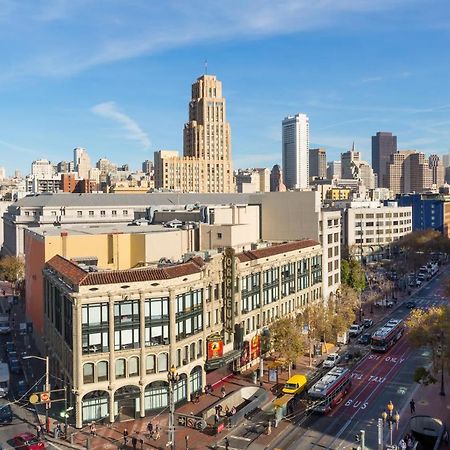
228,289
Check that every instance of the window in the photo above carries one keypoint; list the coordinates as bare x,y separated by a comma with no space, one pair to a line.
200,348
133,366
79,213
114,212
156,321
94,328
150,364
91,213
163,362
126,324
219,235
125,212
88,373
102,371
102,213
120,368
189,315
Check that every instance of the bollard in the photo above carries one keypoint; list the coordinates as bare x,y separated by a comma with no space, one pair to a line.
72,438
88,443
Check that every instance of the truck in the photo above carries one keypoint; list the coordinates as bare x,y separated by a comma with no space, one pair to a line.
342,338
5,327
4,379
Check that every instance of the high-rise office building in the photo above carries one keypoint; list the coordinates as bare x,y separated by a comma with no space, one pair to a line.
147,166
384,144
353,168
295,151
317,163
437,170
82,162
206,165
334,170
446,159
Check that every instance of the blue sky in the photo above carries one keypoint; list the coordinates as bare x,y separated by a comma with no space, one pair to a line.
114,76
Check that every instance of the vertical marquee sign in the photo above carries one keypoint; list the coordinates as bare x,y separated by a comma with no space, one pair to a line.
228,289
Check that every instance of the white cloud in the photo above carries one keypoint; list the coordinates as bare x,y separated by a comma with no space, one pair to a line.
110,110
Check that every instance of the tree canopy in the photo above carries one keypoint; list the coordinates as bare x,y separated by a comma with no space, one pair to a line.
11,268
353,274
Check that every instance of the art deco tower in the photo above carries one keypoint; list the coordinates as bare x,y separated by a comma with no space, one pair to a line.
207,135
206,164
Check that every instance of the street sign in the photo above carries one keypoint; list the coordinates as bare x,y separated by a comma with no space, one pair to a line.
34,398
45,397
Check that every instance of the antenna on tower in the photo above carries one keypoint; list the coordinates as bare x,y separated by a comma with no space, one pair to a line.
206,67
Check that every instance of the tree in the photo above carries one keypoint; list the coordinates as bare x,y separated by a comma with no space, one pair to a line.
345,271
353,274
11,268
432,329
287,339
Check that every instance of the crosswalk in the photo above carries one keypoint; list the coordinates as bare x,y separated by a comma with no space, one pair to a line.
430,301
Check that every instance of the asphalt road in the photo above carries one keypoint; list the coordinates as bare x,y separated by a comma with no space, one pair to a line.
377,379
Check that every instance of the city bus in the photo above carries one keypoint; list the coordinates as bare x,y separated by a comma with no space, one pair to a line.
4,379
386,336
330,389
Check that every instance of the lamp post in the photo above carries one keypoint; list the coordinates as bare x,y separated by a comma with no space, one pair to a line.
47,385
442,391
172,378
390,418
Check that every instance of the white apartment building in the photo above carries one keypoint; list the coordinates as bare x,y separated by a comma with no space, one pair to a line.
369,228
42,168
82,162
295,151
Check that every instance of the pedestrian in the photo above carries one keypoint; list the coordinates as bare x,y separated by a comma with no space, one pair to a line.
223,392
445,437
216,418
197,397
134,442
39,430
125,436
150,428
227,444
56,432
93,429
412,405
402,444
156,434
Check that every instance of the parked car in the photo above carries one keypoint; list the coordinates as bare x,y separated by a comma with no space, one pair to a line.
410,304
367,323
6,415
364,339
27,441
331,360
356,329
22,388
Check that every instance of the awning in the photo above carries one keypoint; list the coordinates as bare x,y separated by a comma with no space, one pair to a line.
212,364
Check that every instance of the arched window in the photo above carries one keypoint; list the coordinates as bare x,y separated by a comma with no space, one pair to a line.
120,368
192,352
133,366
88,373
150,364
102,371
163,362
186,355
200,348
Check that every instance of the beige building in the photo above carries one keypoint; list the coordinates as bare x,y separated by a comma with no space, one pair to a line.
113,335
369,228
408,171
206,165
249,181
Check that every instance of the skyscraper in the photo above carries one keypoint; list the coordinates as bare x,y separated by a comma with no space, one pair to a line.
206,165
384,144
317,163
82,162
295,150
334,170
276,179
437,170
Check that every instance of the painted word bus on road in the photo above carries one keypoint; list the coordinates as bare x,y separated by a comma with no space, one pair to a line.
330,389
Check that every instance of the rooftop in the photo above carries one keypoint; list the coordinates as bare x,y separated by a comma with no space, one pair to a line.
275,249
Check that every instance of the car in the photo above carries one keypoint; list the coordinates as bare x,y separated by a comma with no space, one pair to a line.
6,415
355,330
367,323
410,304
27,441
389,303
22,388
331,360
12,355
14,366
364,339
10,347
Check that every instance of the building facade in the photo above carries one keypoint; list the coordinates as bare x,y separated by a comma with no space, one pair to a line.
384,144
317,163
276,179
437,170
113,336
82,162
334,170
295,151
206,165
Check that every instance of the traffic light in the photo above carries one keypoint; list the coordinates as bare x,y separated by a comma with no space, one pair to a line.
357,438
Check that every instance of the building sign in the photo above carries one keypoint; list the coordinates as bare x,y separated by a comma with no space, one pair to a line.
255,347
215,346
245,354
228,289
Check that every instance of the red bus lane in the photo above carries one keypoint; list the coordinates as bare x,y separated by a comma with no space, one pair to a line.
367,377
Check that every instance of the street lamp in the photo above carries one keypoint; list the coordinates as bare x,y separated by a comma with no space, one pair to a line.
172,378
46,388
390,418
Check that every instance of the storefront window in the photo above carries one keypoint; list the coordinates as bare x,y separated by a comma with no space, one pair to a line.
156,396
195,380
180,389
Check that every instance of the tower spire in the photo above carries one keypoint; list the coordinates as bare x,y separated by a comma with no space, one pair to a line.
353,146
206,67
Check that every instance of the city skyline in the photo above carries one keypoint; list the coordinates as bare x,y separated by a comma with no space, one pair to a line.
119,89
